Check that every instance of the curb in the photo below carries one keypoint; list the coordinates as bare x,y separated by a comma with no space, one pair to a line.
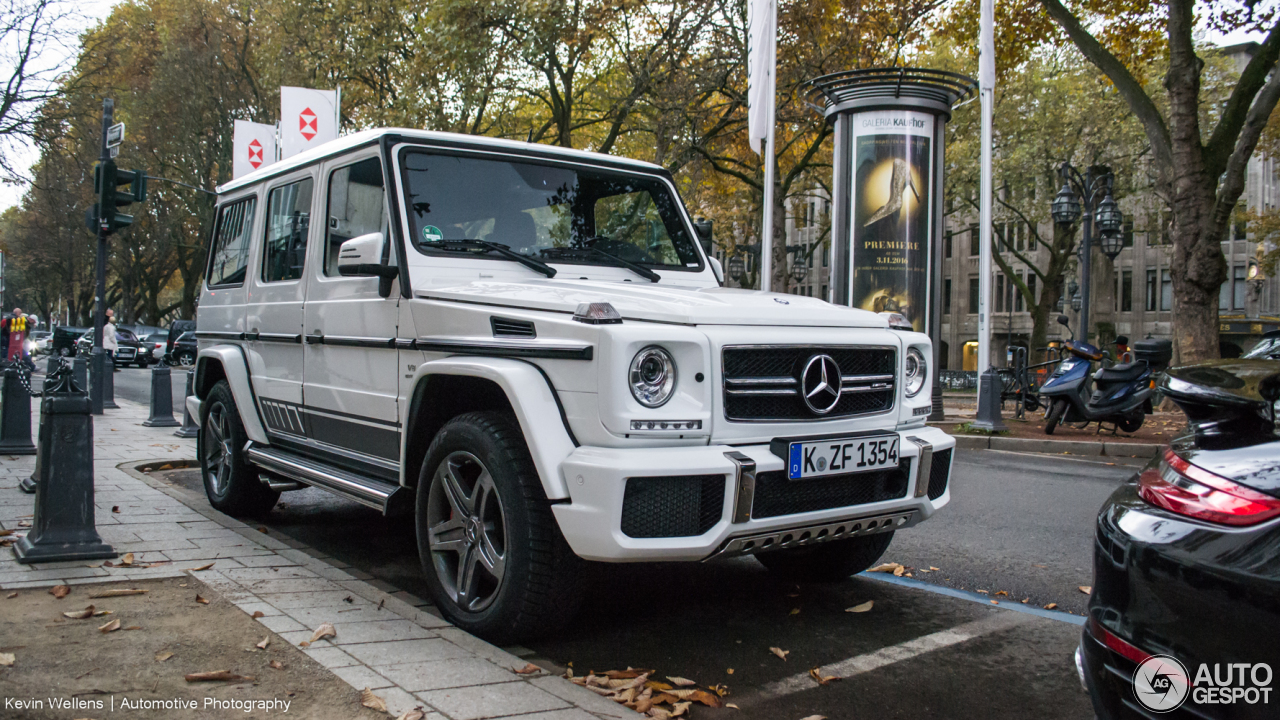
1058,447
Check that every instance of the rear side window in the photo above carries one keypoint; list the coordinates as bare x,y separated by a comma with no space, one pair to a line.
288,218
357,206
230,252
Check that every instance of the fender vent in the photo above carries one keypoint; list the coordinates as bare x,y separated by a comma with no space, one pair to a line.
672,506
508,327
938,474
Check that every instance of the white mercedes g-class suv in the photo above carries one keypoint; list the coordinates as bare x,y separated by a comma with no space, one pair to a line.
528,348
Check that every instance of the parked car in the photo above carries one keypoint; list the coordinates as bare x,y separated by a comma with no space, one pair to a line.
527,348
39,342
176,331
1268,348
1187,560
184,350
128,349
153,344
65,339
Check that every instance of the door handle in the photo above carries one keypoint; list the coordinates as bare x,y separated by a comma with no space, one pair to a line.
315,339
252,334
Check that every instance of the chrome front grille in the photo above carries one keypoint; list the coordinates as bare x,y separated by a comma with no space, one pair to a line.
763,383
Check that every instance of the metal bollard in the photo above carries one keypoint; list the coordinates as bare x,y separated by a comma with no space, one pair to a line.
15,417
55,362
988,417
109,382
63,527
161,399
80,371
189,428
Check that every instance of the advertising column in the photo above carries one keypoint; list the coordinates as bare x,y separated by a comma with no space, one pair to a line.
892,213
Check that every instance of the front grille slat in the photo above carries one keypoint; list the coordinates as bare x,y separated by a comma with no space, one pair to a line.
672,506
763,383
776,495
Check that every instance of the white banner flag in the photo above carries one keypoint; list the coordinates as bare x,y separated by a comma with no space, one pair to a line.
308,118
762,60
254,147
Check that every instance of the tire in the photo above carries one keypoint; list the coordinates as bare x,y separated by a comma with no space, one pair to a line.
523,579
1057,408
827,562
1132,423
186,359
230,482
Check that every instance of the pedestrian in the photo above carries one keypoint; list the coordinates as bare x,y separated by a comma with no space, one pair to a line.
15,335
109,338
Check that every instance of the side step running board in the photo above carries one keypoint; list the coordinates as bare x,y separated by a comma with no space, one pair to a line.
382,496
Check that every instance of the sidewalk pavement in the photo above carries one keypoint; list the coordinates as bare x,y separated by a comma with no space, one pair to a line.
415,659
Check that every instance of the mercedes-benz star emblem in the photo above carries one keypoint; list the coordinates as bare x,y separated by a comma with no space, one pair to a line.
820,384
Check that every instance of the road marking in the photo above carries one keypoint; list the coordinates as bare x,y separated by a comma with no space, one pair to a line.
1005,604
892,654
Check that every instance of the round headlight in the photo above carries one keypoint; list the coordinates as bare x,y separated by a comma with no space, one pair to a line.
916,371
652,376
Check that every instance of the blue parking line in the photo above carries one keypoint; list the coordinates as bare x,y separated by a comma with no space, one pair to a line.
973,597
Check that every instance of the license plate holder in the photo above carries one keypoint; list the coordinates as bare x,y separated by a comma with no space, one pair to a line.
821,456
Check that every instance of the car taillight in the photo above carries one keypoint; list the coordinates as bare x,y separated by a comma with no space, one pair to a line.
1185,489
1116,644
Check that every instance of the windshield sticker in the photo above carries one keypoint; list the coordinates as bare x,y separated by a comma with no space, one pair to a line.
431,233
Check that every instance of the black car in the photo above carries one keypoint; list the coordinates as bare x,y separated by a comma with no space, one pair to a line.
65,338
183,353
129,350
1184,617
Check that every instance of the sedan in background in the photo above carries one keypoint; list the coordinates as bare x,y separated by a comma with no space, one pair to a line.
129,350
1186,585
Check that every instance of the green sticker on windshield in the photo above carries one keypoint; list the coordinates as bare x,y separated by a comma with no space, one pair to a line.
431,233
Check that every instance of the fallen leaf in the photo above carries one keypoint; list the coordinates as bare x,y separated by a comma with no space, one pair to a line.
276,664
216,676
200,599
891,567
256,614
720,689
1086,589
60,591
100,613
12,595
934,569
348,599
8,659
681,682
815,717
110,627
1024,601
115,508
659,713
163,655
729,671
265,642
1051,606
324,631
120,592
780,652
80,614
818,677
794,611
528,669
206,566
864,607
1002,592
262,529
731,705
680,708
995,602
5,533
984,592
127,559
134,627
304,643
414,714
371,701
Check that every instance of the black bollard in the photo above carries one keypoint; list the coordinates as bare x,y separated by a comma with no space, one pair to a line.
80,371
63,527
55,362
15,416
989,403
189,428
161,399
109,383
97,366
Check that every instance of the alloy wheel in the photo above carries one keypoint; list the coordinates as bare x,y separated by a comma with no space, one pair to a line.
467,532
217,449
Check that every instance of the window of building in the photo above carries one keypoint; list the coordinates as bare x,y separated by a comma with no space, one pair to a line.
1022,236
288,219
230,252
946,244
1237,279
946,296
1128,233
1152,291
826,254
1240,228
1126,291
974,241
1000,293
973,295
1224,293
1017,296
1166,291
357,206
1031,287
824,292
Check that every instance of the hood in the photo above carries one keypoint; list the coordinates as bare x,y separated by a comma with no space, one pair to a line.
662,303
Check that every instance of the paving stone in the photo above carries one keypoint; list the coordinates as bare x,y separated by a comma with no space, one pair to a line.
491,701
261,558
280,623
314,599
288,585
567,714
245,575
350,633
399,652
444,674
583,698
253,604
330,657
359,676
346,613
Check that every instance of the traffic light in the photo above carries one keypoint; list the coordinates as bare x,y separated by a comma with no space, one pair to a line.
107,179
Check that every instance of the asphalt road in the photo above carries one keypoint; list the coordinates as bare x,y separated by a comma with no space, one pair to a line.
135,384
1017,523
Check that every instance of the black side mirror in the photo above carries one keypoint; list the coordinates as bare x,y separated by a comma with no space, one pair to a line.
704,228
1064,321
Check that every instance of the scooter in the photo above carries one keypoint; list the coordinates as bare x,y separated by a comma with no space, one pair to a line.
1119,394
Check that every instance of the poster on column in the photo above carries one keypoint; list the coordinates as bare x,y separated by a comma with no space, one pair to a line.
892,213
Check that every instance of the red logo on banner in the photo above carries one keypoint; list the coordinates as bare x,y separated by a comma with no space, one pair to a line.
255,154
307,124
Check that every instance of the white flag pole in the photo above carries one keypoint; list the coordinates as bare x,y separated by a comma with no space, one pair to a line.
769,156
986,85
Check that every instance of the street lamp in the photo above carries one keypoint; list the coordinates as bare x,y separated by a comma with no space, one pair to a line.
1092,193
736,268
799,269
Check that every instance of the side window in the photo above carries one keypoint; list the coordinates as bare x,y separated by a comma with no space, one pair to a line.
357,206
231,243
288,217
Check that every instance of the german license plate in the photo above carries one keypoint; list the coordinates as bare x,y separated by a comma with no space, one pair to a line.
841,456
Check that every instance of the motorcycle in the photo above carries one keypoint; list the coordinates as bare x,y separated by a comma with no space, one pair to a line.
1120,394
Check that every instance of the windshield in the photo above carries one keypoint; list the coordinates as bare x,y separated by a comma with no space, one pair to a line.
1266,348
551,213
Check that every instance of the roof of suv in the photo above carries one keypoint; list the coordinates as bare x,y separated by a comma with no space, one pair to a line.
354,140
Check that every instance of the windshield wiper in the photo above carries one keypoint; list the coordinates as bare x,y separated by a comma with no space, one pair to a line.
463,244
640,270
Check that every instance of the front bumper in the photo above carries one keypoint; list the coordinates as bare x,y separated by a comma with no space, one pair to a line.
592,522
